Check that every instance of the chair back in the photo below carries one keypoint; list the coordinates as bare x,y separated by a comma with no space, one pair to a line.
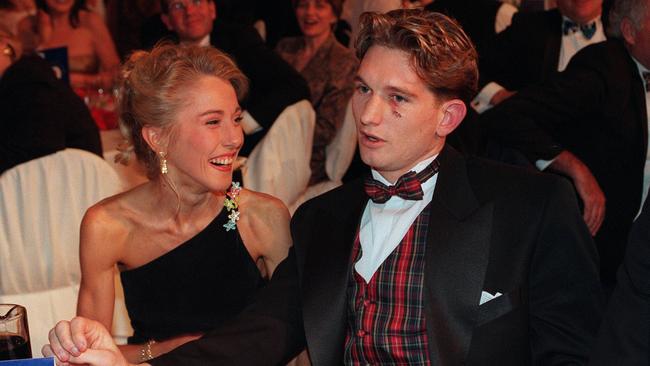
279,163
42,203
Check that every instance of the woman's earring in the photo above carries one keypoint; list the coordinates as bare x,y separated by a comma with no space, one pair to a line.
163,162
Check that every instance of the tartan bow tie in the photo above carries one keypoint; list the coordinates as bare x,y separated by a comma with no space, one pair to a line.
408,186
588,30
646,78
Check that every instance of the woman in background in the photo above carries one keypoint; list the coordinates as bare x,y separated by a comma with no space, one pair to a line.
92,57
329,69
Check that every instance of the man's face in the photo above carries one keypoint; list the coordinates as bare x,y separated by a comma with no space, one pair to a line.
395,113
190,19
580,11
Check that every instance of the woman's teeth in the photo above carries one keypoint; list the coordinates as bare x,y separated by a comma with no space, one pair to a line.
221,161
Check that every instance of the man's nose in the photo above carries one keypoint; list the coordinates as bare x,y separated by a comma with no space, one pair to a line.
371,111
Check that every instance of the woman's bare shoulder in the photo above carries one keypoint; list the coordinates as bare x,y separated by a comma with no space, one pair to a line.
263,206
116,215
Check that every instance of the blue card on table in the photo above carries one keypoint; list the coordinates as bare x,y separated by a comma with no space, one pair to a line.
29,362
58,59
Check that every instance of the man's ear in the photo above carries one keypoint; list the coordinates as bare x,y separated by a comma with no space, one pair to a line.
165,19
212,7
628,31
154,138
452,113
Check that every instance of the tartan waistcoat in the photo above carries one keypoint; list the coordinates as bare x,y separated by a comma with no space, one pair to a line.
385,317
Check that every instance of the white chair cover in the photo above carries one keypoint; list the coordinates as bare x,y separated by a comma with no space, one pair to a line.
42,203
338,156
279,164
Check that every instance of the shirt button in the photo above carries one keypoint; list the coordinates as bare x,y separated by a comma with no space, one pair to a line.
361,333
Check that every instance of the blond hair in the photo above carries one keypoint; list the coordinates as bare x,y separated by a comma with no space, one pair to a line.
153,85
442,54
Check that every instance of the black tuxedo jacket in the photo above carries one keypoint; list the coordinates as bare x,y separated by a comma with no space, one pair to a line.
41,115
525,53
477,17
274,84
624,337
492,228
595,109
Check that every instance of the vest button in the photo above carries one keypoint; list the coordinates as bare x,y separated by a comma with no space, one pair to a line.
367,302
361,333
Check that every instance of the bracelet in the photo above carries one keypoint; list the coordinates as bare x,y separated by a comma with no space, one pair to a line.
145,352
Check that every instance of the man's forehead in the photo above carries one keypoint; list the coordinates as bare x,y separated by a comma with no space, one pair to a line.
389,68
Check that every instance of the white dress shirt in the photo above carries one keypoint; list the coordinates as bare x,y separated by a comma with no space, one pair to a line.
383,226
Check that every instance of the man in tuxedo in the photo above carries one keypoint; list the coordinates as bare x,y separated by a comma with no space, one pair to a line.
536,46
624,337
274,84
591,123
437,258
481,20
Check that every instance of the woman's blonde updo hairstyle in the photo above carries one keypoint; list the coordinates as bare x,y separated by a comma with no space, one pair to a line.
155,85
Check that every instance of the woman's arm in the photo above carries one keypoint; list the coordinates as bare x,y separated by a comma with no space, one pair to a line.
104,47
99,249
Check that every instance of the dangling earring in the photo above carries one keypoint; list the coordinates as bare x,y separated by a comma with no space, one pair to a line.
163,162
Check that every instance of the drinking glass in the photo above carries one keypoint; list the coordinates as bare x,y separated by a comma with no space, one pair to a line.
14,333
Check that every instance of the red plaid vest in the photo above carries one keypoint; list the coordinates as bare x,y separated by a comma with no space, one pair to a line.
386,322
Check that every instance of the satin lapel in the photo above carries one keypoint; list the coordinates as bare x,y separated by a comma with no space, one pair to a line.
325,277
638,93
456,260
552,44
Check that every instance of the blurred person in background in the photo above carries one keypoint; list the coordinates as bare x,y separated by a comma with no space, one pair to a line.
41,115
327,66
92,57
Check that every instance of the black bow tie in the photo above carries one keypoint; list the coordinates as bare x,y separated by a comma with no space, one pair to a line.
588,30
646,78
408,186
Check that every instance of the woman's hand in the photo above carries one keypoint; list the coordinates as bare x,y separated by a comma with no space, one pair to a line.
83,341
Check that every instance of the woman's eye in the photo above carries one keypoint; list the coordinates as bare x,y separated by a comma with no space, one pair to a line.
213,122
238,119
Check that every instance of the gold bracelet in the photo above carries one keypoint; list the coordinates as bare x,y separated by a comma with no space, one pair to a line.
145,352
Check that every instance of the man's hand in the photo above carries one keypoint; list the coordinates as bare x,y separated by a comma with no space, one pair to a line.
588,189
83,341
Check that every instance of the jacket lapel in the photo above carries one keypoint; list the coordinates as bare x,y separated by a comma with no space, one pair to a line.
326,273
552,44
456,261
638,94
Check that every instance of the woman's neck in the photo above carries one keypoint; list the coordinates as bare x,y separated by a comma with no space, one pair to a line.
312,44
60,20
183,205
